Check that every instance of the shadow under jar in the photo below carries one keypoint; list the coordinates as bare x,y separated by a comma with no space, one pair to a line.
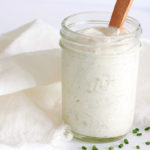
99,75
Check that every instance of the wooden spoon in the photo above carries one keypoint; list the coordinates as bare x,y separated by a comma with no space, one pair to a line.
120,13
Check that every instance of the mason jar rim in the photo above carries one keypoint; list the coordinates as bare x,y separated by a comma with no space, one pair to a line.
64,25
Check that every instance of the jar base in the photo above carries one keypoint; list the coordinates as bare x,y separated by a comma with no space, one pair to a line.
96,139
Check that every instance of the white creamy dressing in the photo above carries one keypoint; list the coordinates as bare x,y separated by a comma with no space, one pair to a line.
99,92
110,31
104,37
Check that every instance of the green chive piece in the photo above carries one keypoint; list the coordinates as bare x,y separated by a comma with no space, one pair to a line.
136,130
147,128
137,147
139,134
84,148
111,148
147,143
120,146
94,147
126,141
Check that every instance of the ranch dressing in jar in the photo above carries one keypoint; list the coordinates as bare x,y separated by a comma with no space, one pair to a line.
99,75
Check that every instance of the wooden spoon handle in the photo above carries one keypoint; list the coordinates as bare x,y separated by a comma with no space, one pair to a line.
120,13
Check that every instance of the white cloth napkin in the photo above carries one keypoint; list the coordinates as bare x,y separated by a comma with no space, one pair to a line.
30,87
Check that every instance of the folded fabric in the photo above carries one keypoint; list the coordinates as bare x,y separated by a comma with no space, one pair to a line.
27,70
34,36
143,88
30,88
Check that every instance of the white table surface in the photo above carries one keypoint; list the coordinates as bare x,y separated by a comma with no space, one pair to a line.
14,13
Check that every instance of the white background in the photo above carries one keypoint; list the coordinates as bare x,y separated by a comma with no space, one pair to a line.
14,13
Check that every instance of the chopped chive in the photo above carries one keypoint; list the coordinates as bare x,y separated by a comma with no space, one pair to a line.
147,143
147,128
120,146
94,147
84,148
137,147
126,141
139,134
135,130
111,148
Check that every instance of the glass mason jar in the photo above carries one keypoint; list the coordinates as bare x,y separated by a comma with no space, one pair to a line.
99,75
